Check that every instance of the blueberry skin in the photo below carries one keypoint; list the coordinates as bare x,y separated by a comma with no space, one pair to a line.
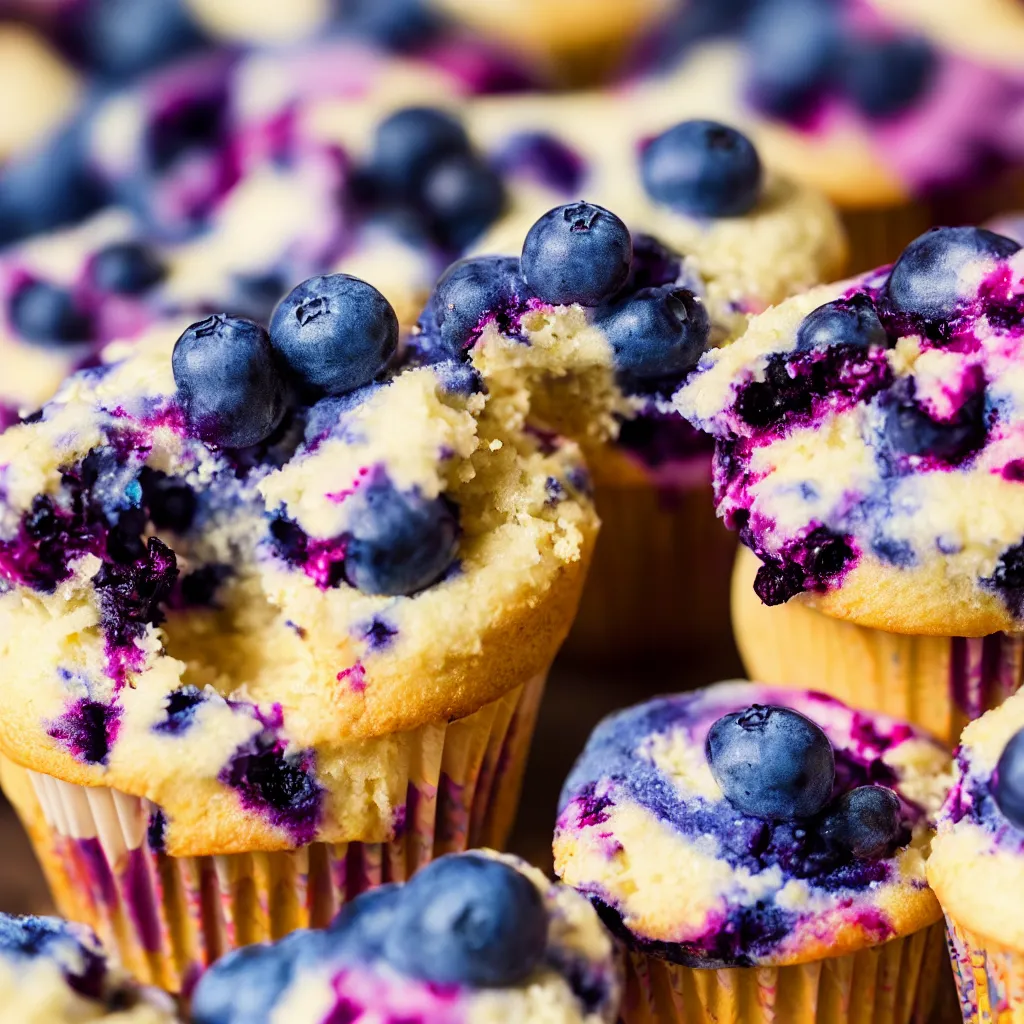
771,762
468,920
852,322
43,312
1008,781
885,76
909,430
360,929
925,281
411,141
703,169
334,333
657,333
398,542
126,268
469,290
227,382
865,821
460,197
577,253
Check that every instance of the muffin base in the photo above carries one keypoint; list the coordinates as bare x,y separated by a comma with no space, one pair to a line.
168,918
658,583
939,683
894,983
989,978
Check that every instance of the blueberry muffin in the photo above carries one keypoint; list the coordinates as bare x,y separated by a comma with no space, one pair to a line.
474,937
761,854
298,603
866,451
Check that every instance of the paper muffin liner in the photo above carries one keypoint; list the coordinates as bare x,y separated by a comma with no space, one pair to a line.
894,983
989,978
167,918
659,580
939,683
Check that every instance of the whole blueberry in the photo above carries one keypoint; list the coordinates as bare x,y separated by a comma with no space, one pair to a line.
792,46
928,278
398,541
334,333
910,430
394,24
1008,780
702,168
656,333
362,926
884,76
126,268
460,197
44,312
227,383
577,253
411,141
852,322
470,920
865,821
771,762
468,291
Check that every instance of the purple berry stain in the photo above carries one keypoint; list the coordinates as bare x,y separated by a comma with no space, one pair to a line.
87,730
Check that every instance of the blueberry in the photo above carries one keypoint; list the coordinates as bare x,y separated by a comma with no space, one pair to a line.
468,291
394,24
469,920
926,281
909,430
771,762
543,158
361,927
884,76
460,197
850,321
1008,780
653,264
704,169
411,141
73,946
227,382
126,268
865,821
334,333
43,312
399,542
656,333
577,253
793,47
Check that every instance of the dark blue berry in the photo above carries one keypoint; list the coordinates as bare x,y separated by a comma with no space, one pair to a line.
865,821
44,312
544,158
657,333
394,24
793,47
170,500
411,141
910,430
577,253
334,333
1008,781
76,952
771,762
885,76
704,169
469,291
398,541
460,197
362,926
227,383
654,264
126,268
180,707
850,321
469,920
927,280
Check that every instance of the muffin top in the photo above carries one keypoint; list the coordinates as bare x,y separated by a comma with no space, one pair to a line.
745,825
473,938
249,553
868,440
52,971
977,863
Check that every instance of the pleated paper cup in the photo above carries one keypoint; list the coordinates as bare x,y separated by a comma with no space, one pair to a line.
167,918
939,683
894,983
989,977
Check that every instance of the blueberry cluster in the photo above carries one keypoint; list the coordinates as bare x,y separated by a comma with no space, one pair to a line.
772,762
578,253
1008,781
464,920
